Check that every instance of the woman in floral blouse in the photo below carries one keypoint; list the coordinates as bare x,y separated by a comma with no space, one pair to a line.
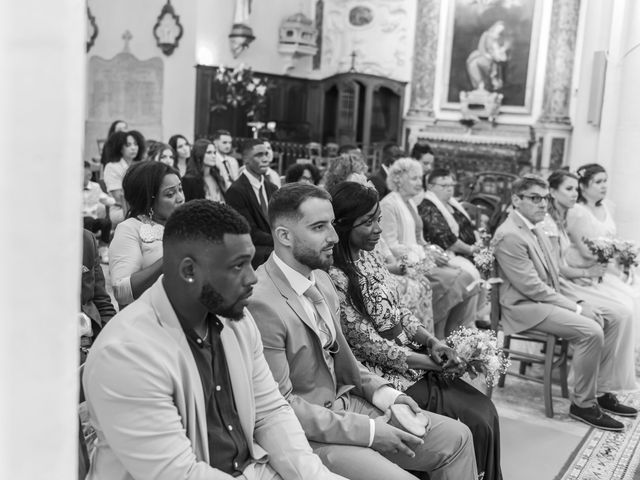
387,338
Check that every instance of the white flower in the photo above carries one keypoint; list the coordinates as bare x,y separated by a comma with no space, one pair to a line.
261,90
251,87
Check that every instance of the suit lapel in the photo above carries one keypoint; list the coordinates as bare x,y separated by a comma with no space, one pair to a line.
252,196
168,319
239,378
532,240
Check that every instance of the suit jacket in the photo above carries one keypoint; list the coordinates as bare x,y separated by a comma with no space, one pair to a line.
94,299
294,352
146,401
526,295
379,180
241,196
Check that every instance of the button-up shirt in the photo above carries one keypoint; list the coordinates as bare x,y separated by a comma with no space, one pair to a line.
228,448
257,185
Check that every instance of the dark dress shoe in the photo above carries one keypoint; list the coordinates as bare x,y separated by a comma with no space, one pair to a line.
593,416
609,403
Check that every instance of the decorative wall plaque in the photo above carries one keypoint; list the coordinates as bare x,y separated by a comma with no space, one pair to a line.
168,29
360,16
92,29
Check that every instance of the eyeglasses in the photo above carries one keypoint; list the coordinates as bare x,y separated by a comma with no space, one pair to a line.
537,198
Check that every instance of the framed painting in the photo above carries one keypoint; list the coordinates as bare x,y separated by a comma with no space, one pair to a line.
491,45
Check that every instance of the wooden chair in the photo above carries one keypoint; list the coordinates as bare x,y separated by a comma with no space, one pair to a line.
553,355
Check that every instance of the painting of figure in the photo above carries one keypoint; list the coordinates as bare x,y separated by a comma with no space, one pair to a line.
491,45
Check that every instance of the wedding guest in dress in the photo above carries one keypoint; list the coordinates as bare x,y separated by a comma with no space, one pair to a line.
182,147
153,191
177,386
163,153
385,335
94,203
302,172
123,149
563,188
455,291
116,126
203,179
532,296
338,402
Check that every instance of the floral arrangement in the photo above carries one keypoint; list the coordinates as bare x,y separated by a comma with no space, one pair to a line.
484,259
240,87
626,255
480,351
603,248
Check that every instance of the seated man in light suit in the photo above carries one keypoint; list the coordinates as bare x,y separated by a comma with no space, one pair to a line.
177,386
335,398
531,297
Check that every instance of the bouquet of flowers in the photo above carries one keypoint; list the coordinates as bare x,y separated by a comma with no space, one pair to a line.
240,87
604,249
483,259
480,351
626,255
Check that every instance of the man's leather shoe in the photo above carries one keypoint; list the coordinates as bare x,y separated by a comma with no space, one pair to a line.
609,403
593,416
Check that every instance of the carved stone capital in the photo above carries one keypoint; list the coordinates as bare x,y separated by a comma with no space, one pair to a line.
560,58
425,55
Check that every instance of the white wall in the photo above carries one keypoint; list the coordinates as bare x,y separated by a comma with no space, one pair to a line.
41,117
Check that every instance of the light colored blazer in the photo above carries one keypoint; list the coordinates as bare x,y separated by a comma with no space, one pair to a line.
398,225
294,352
526,296
146,401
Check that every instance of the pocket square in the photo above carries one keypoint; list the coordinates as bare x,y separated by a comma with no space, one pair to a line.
85,269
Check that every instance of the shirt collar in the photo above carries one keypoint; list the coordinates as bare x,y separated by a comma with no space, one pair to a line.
298,282
529,225
255,183
385,168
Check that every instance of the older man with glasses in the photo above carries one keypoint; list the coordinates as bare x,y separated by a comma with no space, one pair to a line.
532,296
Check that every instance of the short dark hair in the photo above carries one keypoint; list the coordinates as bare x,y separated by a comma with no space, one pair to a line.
248,145
439,173
527,181
420,149
218,133
202,219
141,184
117,140
295,171
286,201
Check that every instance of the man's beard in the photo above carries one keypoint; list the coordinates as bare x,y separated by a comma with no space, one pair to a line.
311,258
213,301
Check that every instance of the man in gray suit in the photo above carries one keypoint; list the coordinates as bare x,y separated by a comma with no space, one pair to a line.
531,297
339,403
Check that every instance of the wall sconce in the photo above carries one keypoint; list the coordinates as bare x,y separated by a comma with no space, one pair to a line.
240,37
168,29
92,29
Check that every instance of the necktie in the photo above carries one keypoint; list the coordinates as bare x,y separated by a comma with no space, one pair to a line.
544,246
263,201
225,162
323,316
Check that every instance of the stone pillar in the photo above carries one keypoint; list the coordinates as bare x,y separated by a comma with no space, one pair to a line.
553,129
42,53
425,55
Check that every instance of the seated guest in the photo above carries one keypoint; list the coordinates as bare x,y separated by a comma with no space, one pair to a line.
96,308
250,195
226,163
390,153
203,179
271,175
182,147
349,166
123,148
177,386
163,153
532,296
385,335
153,191
302,172
455,292
423,153
563,188
116,126
94,201
446,223
338,402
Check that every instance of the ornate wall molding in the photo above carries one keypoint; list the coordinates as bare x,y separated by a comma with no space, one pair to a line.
560,59
425,55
